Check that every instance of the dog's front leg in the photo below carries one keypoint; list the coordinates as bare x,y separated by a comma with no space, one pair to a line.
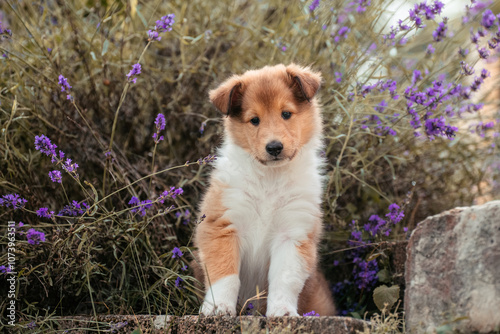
292,261
219,250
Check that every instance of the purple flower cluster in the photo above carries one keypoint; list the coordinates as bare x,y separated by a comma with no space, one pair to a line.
481,128
440,32
136,70
341,33
422,10
365,273
44,145
438,127
5,270
206,160
311,314
338,77
314,5
55,176
5,31
160,126
361,5
35,237
74,209
139,206
13,200
178,282
176,253
65,86
45,213
430,49
466,69
170,193
419,12
163,24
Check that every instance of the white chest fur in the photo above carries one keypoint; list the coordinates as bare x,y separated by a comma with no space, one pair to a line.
268,204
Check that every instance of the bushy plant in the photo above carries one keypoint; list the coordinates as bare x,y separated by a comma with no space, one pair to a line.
103,106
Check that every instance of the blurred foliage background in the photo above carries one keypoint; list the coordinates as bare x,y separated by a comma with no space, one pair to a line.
113,261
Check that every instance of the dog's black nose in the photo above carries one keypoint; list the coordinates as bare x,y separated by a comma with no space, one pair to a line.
274,148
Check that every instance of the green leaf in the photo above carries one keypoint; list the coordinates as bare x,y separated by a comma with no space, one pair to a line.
384,276
385,295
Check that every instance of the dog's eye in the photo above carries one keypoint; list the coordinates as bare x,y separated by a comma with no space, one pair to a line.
255,121
286,114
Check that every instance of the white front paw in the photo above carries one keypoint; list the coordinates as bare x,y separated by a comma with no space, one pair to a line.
281,309
209,309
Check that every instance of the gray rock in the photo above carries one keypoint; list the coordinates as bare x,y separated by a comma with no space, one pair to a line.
453,272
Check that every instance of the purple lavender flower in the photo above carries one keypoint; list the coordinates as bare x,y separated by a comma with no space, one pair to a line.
437,127
485,73
374,225
483,53
70,167
440,31
136,70
476,84
474,38
74,209
5,31
165,23
44,145
314,5
176,253
35,237
311,314
466,68
342,33
178,282
13,200
403,26
395,214
463,52
488,19
362,4
430,49
365,273
140,207
338,77
493,43
153,35
160,126
416,76
65,86
45,213
55,176
381,106
5,270
171,193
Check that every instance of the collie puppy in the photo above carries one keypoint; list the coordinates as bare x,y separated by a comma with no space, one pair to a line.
263,207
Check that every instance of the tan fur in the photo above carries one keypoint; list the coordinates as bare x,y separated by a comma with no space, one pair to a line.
263,93
217,240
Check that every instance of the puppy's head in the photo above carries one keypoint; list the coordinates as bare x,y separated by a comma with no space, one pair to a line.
271,112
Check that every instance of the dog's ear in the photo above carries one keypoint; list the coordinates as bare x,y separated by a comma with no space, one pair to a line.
304,82
228,97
